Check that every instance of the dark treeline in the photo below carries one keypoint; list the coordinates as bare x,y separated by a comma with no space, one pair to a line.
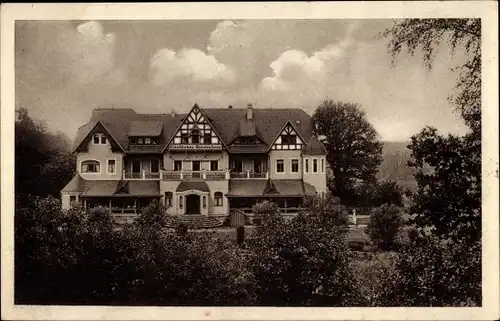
44,163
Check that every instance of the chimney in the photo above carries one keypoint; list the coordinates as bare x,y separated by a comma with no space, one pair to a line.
249,112
230,107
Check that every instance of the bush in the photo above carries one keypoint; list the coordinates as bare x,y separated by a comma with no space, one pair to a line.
139,265
439,272
376,275
385,222
302,262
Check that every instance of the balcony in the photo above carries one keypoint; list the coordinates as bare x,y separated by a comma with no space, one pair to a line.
249,175
194,175
142,175
177,175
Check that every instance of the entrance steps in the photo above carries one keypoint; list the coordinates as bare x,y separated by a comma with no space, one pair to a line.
193,221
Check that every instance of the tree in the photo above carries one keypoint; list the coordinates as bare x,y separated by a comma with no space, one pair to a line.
385,223
448,199
304,261
442,264
354,153
43,162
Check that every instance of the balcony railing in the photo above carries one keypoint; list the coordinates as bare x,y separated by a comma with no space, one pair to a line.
250,175
142,175
193,175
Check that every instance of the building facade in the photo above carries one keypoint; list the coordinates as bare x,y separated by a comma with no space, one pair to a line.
206,162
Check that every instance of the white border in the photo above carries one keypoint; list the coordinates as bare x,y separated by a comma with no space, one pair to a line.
487,10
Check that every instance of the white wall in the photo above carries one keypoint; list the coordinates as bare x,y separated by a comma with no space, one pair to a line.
287,156
100,153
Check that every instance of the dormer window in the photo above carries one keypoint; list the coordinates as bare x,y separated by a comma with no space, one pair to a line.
247,140
144,140
99,139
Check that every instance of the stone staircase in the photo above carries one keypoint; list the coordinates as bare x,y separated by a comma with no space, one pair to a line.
193,221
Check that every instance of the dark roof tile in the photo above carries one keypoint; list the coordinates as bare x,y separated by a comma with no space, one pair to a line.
268,123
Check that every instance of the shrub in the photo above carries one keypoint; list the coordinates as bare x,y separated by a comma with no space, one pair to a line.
302,262
385,222
439,272
266,213
376,275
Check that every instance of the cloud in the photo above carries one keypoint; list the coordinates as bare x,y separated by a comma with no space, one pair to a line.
294,68
189,65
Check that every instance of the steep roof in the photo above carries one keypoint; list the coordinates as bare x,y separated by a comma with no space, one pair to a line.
227,122
110,188
145,128
269,188
314,147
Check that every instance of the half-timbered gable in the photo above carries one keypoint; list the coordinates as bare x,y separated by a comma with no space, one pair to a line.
288,139
196,133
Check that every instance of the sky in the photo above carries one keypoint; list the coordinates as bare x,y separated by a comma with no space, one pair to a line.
64,69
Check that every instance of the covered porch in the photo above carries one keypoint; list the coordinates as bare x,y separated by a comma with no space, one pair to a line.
287,205
118,205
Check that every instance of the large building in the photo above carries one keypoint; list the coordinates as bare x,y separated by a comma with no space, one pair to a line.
206,162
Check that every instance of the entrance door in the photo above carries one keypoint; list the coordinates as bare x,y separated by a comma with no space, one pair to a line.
193,204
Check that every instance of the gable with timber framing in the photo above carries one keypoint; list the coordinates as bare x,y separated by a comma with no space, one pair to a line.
196,132
288,139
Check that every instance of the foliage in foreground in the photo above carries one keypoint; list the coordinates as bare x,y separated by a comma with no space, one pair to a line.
79,258
384,225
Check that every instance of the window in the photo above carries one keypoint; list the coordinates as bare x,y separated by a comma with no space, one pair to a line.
214,165
288,139
72,200
204,202
168,199
295,165
155,166
99,139
111,166
207,138
315,165
322,166
140,141
147,140
280,166
306,165
195,136
180,202
218,198
177,165
184,139
91,166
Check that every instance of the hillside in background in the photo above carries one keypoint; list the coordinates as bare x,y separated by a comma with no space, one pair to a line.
394,166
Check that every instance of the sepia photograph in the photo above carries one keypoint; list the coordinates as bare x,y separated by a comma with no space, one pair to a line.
250,162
